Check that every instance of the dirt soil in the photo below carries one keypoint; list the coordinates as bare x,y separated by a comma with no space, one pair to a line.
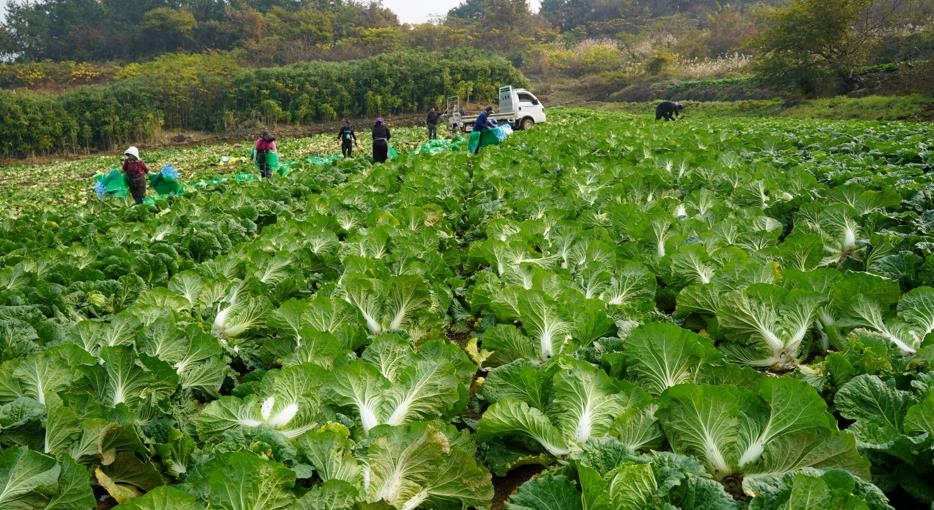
504,486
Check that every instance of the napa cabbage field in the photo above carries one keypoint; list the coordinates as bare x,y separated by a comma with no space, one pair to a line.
713,313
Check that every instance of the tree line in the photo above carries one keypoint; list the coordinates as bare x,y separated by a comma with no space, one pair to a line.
211,64
285,31
101,30
210,92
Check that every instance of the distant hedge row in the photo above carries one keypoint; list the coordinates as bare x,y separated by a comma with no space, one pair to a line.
206,92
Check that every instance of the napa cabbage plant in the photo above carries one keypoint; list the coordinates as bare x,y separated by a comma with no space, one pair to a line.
762,324
839,227
658,356
416,465
197,357
537,415
239,313
550,326
394,383
906,330
783,426
55,369
767,325
304,319
895,423
606,475
286,401
400,303
136,380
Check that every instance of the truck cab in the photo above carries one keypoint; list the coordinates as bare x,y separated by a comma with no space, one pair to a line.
517,106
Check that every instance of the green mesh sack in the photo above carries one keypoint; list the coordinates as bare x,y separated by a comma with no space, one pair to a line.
481,138
323,160
285,168
272,160
163,186
473,141
165,181
436,146
111,184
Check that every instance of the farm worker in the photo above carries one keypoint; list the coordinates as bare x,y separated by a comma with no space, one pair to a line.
380,141
135,170
483,123
348,139
483,120
432,122
265,144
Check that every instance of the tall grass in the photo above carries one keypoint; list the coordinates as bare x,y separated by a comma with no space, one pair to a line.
726,65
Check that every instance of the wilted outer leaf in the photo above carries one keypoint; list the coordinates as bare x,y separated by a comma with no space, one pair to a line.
121,493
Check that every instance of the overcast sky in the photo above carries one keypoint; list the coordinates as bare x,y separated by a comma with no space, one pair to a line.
420,11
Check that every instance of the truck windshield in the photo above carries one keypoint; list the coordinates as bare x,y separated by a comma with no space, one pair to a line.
527,98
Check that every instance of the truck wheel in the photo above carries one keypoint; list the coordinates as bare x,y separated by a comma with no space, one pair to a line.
527,123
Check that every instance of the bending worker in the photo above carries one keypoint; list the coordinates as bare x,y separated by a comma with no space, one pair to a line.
483,123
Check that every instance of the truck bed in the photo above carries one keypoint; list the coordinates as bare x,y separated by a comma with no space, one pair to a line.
469,119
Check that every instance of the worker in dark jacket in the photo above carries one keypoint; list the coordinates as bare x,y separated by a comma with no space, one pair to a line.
380,141
135,170
483,123
432,122
348,139
483,120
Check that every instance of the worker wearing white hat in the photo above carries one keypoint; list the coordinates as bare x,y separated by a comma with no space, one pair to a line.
135,170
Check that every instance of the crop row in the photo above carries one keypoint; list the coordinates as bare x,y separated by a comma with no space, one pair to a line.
713,312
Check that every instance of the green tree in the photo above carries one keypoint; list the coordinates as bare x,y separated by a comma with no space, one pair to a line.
469,10
570,14
165,29
809,43
506,27
8,44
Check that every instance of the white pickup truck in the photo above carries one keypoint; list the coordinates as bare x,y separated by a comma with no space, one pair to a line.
519,107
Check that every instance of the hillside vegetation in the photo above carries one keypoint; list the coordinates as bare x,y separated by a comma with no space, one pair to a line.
220,65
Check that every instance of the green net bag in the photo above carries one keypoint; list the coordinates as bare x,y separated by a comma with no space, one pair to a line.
111,184
323,160
285,168
480,139
165,182
272,160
